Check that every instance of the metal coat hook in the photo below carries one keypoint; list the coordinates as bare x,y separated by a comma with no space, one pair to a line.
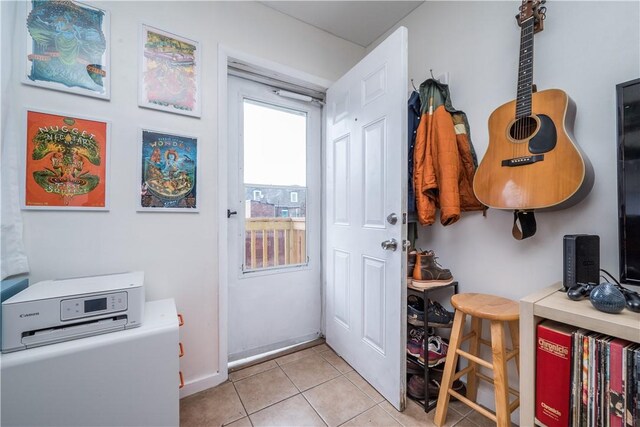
414,85
431,72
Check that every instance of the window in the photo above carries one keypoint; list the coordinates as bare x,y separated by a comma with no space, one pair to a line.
275,165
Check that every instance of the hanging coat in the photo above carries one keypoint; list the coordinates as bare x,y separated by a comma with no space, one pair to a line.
444,159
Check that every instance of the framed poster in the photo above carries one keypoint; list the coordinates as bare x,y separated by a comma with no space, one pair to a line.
169,72
66,162
67,47
168,172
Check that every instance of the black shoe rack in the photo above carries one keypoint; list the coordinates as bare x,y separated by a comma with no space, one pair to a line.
428,404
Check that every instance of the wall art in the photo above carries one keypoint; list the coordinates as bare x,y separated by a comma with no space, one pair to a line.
169,72
66,162
168,172
67,47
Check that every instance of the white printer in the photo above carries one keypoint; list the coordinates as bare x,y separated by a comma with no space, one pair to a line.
61,310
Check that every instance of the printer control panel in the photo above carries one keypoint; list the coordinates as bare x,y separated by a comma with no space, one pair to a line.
92,306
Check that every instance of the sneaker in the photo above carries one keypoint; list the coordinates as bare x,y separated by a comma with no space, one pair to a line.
437,315
427,272
415,343
415,387
415,310
436,351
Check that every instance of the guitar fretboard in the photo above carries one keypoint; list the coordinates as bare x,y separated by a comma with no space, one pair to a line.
525,69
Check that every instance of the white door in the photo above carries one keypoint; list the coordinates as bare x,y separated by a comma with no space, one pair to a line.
274,220
366,185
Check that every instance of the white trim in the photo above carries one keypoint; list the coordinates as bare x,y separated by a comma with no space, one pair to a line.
224,55
200,384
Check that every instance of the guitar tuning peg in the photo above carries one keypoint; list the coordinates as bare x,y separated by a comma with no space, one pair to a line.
543,12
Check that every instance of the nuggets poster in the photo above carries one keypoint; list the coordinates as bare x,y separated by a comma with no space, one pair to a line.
65,163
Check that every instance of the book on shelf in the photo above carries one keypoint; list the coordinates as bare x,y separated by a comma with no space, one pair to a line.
616,386
553,373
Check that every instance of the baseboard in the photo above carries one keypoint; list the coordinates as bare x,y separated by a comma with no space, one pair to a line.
202,383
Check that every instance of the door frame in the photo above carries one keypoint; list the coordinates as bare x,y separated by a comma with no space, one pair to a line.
225,56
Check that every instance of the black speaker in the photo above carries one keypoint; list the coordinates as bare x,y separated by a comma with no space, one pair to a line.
581,259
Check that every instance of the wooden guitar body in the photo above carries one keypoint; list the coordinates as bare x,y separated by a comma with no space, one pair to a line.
533,162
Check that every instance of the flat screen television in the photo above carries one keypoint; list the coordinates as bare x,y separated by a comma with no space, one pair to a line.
628,100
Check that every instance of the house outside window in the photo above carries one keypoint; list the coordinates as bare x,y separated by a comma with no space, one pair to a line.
257,194
294,197
285,213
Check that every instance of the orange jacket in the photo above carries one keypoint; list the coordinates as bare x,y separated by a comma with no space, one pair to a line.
444,164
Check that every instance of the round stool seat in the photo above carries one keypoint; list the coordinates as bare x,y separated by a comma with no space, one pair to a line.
485,306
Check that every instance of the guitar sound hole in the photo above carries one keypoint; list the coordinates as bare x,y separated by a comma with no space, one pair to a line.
523,128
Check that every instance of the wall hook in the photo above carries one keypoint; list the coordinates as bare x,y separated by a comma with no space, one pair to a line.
431,72
414,85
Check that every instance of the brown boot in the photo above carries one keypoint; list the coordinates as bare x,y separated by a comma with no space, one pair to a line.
428,272
411,262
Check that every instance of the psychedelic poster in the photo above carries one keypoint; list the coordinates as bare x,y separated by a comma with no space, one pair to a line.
66,162
68,47
168,172
170,72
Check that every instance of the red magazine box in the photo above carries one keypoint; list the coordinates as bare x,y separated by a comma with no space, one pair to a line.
553,373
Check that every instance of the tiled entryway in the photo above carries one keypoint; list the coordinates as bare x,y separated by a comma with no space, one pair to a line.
313,387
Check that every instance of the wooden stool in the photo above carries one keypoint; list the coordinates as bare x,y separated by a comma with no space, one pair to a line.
497,310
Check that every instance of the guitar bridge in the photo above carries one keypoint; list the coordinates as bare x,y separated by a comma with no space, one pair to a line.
524,160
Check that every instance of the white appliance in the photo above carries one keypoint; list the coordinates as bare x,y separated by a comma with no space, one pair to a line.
127,378
61,310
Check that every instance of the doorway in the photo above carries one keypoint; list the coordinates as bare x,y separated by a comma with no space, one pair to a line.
273,218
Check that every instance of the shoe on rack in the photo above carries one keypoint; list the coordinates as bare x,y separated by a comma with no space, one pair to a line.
427,272
415,387
411,262
437,315
415,310
435,381
414,368
415,343
436,350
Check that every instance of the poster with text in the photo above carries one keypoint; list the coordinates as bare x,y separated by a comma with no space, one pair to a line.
168,172
169,72
68,47
66,162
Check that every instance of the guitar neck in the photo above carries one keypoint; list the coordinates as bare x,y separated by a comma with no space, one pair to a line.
525,69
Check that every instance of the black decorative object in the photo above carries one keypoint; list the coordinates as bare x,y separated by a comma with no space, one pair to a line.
608,298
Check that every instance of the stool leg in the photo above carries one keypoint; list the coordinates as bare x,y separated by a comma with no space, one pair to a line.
514,329
474,348
449,368
500,374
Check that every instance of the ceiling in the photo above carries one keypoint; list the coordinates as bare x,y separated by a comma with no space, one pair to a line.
360,22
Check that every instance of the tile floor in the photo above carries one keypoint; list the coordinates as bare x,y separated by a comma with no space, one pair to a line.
313,387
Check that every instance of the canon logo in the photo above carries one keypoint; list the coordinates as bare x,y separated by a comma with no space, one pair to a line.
30,314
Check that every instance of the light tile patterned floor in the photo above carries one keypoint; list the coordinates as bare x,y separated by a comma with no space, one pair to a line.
312,387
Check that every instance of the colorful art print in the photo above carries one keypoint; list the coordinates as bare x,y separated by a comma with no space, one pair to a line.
170,72
68,47
168,172
66,162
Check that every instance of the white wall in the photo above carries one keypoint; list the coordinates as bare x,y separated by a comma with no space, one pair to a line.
585,49
178,252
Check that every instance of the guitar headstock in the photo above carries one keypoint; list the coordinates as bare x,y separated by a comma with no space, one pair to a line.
532,9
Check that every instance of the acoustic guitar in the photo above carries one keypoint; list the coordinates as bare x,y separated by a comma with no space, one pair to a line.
532,161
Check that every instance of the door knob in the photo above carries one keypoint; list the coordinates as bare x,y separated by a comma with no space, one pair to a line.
389,245
392,219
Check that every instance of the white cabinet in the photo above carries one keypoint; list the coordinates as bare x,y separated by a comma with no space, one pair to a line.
125,378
